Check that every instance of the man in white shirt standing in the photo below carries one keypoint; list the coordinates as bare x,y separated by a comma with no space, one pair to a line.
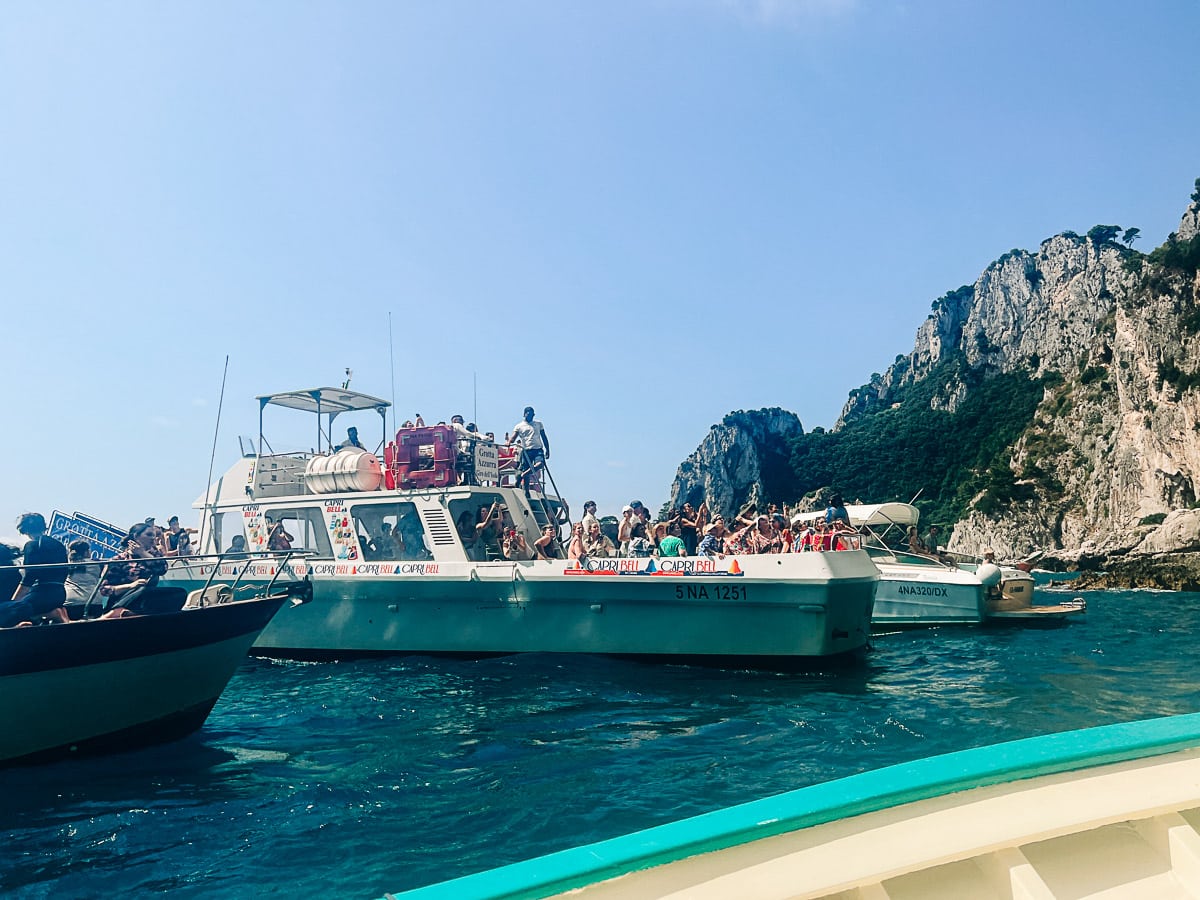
530,436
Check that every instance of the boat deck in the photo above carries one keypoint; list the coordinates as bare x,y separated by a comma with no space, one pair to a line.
1110,812
1071,835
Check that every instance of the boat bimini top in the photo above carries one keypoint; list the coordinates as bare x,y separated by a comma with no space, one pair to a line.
329,402
870,515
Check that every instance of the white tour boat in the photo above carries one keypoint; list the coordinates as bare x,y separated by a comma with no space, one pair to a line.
1110,812
396,568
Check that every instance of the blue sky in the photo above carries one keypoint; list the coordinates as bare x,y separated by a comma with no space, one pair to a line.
634,216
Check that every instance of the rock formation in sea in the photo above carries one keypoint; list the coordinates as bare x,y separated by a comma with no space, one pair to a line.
743,459
1107,457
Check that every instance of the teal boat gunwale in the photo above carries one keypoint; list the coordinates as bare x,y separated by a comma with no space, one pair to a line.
818,804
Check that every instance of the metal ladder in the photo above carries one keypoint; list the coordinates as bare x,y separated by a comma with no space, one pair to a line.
547,509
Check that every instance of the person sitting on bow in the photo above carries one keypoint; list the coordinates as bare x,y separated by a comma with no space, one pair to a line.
138,566
41,592
575,549
489,531
713,543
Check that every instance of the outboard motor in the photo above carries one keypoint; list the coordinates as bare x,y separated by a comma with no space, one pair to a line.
989,574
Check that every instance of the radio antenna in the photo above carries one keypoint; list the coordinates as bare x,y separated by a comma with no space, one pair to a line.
392,364
212,459
475,396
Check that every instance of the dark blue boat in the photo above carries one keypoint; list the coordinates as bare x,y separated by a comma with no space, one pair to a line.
105,685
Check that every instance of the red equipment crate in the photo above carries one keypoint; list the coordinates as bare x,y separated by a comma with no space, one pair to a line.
423,457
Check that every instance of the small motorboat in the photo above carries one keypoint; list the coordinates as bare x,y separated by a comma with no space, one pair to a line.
945,588
1003,610
103,685
915,589
1012,601
1109,812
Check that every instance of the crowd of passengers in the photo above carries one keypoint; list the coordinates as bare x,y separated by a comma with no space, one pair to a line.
490,534
64,583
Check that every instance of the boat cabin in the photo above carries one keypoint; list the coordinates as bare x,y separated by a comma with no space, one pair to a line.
422,501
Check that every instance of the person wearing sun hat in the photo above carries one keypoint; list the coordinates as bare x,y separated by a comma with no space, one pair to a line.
712,544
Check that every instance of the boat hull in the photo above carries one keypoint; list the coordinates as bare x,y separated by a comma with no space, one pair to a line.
765,608
113,684
1050,614
924,595
1104,812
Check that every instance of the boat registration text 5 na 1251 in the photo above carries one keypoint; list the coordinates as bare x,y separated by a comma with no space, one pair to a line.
710,592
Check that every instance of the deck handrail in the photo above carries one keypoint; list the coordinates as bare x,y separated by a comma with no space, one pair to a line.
105,564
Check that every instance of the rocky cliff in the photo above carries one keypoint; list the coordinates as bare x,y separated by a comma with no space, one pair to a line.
1115,447
1027,312
1109,336
740,460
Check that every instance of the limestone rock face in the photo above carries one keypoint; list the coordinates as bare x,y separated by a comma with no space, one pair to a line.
1180,530
1026,312
733,464
1190,226
1119,441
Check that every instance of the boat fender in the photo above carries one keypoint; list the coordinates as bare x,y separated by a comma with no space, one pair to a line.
989,574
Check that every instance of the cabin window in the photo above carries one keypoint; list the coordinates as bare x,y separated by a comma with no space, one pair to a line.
468,513
224,525
306,525
390,531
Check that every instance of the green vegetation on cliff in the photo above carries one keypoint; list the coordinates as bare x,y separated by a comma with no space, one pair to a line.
909,447
1183,256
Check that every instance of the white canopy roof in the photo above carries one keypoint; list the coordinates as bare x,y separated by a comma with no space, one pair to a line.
325,400
873,515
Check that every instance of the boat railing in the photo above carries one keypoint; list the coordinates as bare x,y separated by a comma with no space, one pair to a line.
911,558
281,558
284,474
962,559
280,474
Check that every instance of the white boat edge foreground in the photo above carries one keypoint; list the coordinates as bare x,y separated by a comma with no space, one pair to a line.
1111,811
439,596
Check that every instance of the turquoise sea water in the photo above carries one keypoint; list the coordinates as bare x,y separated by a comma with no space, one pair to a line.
351,779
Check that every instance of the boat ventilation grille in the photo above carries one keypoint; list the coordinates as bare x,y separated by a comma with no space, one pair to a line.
437,526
